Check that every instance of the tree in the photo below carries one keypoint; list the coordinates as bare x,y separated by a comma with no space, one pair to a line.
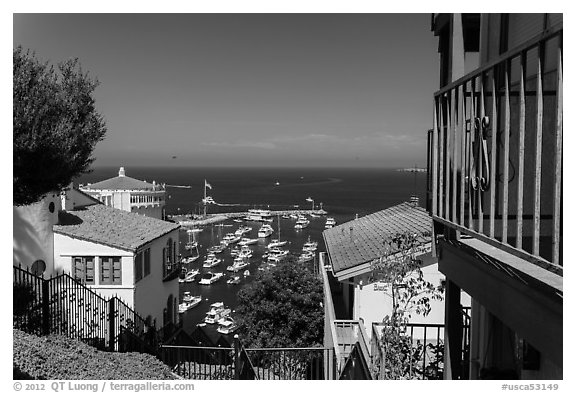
410,293
282,308
56,125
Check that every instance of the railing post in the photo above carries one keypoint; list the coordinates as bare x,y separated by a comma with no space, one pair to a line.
111,328
45,307
236,357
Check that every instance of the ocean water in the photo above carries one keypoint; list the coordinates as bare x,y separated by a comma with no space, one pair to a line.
343,193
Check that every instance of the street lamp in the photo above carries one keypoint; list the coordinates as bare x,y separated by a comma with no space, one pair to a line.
309,199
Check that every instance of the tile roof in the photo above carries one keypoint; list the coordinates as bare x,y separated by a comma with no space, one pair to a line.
120,183
112,227
360,241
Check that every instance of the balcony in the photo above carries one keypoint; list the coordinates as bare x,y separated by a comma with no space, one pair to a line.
171,270
495,153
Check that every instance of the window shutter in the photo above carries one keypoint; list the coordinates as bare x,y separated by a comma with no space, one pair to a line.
116,271
89,270
105,270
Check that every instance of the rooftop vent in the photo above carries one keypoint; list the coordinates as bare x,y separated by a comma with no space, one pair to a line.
121,172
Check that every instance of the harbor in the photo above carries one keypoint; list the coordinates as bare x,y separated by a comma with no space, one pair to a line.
190,220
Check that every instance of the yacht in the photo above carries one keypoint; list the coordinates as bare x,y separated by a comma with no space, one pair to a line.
234,280
244,252
276,243
188,302
330,221
237,265
242,230
226,325
306,256
265,231
310,246
190,275
259,215
210,278
277,254
216,313
217,249
230,238
211,261
245,241
301,223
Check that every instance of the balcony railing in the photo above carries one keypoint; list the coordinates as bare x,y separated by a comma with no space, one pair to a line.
495,153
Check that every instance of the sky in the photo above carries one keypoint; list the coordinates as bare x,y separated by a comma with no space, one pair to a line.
351,90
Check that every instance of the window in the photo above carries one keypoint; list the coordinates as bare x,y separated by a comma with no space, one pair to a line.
138,273
110,270
141,265
146,262
83,269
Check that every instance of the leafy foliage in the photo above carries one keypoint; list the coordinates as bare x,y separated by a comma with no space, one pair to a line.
411,293
282,308
55,128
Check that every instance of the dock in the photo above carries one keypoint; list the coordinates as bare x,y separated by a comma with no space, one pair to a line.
191,221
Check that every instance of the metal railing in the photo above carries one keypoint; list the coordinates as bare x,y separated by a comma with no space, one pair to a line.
62,305
495,153
196,362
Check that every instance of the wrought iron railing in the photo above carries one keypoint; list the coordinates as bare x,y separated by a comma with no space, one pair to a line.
495,158
62,305
196,362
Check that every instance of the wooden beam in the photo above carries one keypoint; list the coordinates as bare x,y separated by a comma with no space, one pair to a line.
506,158
557,215
538,156
521,133
531,314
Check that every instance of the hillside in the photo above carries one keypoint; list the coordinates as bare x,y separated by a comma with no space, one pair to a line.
59,357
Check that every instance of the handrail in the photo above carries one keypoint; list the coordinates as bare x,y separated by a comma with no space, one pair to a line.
514,52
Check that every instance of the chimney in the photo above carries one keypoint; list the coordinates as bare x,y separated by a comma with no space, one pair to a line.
121,172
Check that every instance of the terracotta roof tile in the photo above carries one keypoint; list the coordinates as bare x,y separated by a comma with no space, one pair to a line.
362,240
113,227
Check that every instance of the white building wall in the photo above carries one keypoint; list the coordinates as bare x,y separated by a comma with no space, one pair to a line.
149,211
151,294
66,247
33,238
372,303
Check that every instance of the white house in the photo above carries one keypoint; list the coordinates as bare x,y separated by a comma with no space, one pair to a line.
115,252
352,248
129,194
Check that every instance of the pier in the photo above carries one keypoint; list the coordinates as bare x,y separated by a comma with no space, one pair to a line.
195,220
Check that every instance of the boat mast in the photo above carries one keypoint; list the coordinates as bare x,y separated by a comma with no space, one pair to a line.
204,199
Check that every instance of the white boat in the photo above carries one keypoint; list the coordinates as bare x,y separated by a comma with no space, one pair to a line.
245,252
301,224
226,325
230,238
233,280
217,249
330,221
258,215
211,261
245,241
237,220
306,256
246,273
314,215
190,275
276,243
286,216
310,246
265,230
294,216
210,278
237,266
189,302
277,254
217,312
242,230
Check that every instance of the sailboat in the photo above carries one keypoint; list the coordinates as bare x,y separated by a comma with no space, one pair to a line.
276,242
191,243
